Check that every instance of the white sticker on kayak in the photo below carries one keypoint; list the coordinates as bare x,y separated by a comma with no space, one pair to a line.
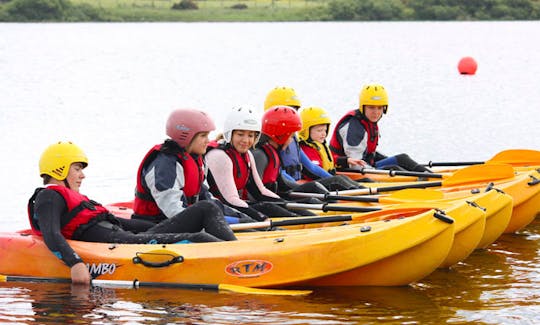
101,268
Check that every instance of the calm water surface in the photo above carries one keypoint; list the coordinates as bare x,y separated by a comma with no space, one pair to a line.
109,88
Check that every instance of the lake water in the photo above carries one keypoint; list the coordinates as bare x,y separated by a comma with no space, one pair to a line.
110,87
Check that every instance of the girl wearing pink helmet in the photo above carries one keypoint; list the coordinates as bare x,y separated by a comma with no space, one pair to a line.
171,179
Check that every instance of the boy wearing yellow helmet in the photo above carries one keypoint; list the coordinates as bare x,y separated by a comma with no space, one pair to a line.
282,96
356,135
312,136
58,212
315,127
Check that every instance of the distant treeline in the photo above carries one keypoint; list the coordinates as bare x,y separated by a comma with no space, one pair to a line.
368,10
328,10
47,10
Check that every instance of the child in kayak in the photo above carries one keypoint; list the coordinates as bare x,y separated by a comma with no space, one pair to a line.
58,212
279,124
356,135
171,178
294,161
312,136
232,170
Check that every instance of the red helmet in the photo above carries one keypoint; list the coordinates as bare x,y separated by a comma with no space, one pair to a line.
279,122
184,124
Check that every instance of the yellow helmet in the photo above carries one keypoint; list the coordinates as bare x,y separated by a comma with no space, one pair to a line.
312,116
281,96
373,94
57,158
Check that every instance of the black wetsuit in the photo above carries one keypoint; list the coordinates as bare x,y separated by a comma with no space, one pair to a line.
51,209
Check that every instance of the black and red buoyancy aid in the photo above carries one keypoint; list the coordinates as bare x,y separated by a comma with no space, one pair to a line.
241,169
372,131
145,205
271,172
80,210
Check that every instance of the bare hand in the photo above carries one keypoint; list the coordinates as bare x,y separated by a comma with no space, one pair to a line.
80,274
356,162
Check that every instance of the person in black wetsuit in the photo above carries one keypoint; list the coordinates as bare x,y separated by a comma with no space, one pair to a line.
58,212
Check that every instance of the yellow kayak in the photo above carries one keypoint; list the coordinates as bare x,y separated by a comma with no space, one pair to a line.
520,159
523,187
325,256
470,218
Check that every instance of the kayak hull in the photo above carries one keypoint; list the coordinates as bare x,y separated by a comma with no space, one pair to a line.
312,257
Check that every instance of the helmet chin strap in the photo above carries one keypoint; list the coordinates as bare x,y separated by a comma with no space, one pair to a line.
66,184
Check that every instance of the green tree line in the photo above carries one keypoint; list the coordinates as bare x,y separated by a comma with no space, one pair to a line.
328,10
367,10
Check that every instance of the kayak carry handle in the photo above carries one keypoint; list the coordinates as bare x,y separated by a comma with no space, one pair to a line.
534,181
474,204
441,215
173,259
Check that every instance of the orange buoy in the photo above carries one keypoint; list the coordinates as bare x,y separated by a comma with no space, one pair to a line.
467,65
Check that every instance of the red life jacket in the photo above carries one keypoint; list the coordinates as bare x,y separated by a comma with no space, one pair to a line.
312,153
80,210
241,170
145,205
271,172
320,155
371,129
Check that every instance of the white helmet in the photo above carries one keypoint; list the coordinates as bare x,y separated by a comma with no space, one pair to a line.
241,118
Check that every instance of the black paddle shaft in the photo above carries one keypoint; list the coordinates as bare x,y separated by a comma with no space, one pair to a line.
452,163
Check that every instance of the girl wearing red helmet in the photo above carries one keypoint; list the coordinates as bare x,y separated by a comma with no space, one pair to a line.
279,125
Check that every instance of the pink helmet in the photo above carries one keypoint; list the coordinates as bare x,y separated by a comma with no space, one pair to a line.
184,124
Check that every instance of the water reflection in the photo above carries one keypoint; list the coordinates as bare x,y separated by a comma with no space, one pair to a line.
493,284
496,285
47,303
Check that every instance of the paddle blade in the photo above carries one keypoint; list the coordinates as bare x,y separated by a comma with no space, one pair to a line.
416,194
479,173
517,157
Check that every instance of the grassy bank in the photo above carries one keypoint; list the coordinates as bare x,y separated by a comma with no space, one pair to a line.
210,10
212,15
267,10
161,10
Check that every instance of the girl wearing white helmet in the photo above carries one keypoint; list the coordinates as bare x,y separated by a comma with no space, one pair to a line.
233,176
58,212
